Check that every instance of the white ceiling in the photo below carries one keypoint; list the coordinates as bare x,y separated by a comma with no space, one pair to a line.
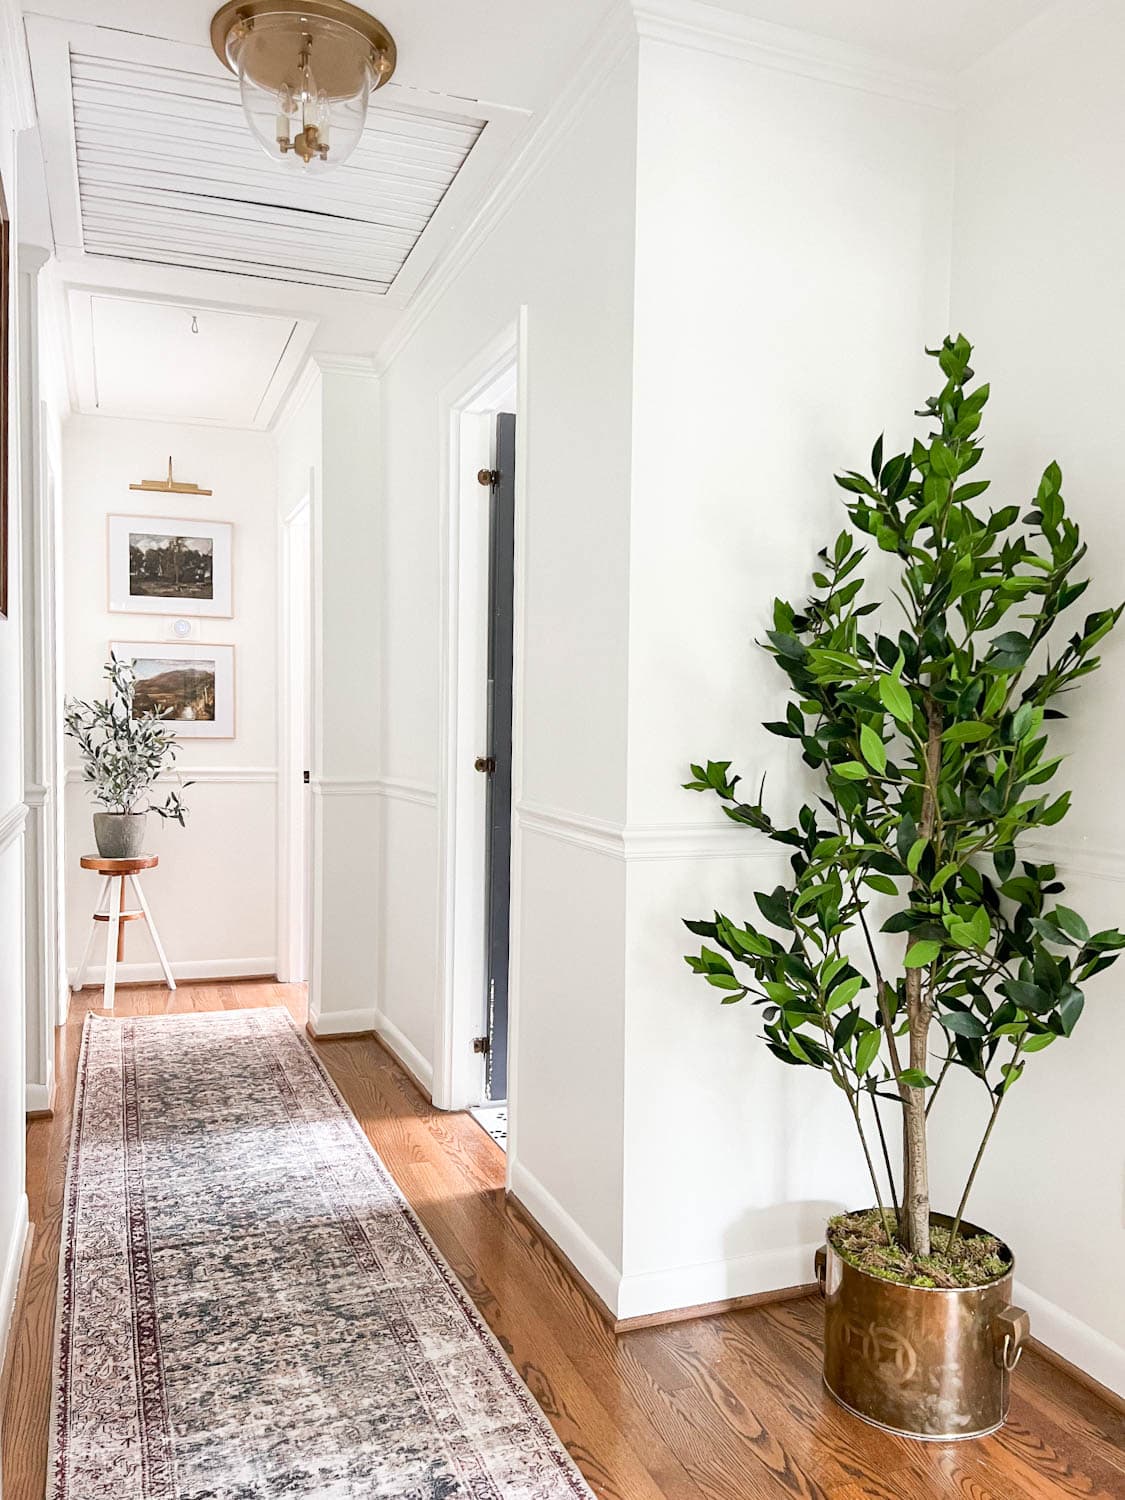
160,205
151,358
941,38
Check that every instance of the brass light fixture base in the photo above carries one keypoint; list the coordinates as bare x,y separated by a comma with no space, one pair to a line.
244,12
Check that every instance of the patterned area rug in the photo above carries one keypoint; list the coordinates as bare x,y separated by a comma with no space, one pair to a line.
247,1306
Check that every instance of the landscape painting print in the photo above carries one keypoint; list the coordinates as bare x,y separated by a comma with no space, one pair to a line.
169,566
190,687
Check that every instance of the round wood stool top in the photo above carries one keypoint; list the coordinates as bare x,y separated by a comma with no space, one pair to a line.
119,866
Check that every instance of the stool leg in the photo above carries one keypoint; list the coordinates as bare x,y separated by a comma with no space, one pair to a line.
80,977
113,928
121,929
156,943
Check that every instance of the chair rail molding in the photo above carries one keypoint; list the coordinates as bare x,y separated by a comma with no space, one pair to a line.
391,788
644,841
12,823
204,775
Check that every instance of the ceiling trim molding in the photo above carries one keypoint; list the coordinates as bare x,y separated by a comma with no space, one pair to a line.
16,66
345,364
612,42
726,33
298,393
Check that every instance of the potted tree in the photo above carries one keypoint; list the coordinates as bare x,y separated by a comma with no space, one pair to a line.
911,940
122,758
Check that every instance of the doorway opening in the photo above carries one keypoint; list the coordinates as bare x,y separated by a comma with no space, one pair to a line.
474,1050
295,799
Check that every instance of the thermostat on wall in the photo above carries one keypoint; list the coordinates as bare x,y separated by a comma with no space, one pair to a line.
181,629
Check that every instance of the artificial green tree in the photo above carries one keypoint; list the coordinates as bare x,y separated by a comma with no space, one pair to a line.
931,748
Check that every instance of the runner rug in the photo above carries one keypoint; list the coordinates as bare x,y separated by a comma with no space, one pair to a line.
248,1308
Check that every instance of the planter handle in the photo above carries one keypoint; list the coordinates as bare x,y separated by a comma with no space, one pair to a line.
1012,1329
820,1261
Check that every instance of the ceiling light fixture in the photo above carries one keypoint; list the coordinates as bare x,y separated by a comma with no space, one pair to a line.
305,72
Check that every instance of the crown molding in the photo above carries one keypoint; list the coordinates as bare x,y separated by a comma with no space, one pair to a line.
610,43
16,67
727,33
345,364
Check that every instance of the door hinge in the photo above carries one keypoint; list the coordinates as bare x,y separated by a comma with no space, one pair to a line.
482,1045
488,477
305,777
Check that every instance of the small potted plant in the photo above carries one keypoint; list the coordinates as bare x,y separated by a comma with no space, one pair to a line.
910,940
122,758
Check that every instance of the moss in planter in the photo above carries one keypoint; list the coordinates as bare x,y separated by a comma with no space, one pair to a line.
861,1240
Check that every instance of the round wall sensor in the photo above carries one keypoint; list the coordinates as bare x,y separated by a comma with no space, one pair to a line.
182,628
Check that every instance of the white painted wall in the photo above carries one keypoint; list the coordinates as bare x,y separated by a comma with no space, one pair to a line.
214,893
1039,240
13,1199
799,229
561,246
328,450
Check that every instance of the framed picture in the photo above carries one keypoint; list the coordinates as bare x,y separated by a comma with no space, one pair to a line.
191,686
5,309
159,566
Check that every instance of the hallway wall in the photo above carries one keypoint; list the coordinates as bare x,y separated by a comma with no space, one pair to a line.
1039,242
214,895
812,218
13,1199
561,245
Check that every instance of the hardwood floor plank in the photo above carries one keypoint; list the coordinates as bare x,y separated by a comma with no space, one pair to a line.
724,1408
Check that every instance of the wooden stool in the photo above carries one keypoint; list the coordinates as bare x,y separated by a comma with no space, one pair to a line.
117,872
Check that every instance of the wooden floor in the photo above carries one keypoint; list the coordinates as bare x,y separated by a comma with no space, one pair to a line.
727,1408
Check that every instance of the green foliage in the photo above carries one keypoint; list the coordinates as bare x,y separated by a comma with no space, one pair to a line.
123,755
932,746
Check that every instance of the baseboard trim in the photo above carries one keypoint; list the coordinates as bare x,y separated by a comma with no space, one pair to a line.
12,1282
344,1025
589,1264
724,1284
1089,1356
406,1054
522,1211
714,1309
185,971
40,1100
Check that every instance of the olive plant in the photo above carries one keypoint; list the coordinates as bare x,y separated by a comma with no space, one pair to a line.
123,755
930,745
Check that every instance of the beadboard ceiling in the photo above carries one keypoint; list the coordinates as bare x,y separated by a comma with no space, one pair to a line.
168,173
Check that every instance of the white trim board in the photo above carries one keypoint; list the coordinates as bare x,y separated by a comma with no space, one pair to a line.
186,970
203,775
652,841
393,790
12,825
591,1263
10,1274
1092,1352
370,1019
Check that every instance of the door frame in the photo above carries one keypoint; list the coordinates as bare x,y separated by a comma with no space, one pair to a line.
467,411
294,884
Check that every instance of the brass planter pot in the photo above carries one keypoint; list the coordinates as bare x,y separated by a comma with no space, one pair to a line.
924,1362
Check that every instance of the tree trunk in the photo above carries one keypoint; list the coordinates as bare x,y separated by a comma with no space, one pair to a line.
919,1010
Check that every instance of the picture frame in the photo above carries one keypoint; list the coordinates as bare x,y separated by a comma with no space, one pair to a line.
5,393
167,565
188,684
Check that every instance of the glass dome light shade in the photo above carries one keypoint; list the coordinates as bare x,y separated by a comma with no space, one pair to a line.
305,75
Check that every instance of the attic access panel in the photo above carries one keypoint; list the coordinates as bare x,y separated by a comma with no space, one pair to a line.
168,174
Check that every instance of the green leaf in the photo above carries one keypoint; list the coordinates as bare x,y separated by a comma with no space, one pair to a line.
963,1022
851,770
867,1050
914,857
969,731
1070,1008
844,993
922,953
1072,924
942,876
882,883
1038,1042
874,751
896,700
915,1078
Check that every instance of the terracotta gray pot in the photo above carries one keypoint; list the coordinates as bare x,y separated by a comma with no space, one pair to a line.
119,835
